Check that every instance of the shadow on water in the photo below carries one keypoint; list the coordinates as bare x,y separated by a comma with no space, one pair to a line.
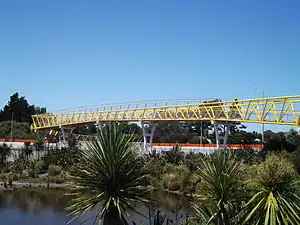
43,206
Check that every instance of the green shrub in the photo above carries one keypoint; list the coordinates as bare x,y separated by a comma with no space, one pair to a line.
36,167
275,172
53,179
19,165
194,178
193,161
2,177
296,160
73,170
174,177
181,169
39,166
175,155
15,177
172,181
31,170
23,176
54,170
247,155
5,169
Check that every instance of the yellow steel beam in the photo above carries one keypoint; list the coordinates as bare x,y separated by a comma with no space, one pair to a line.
277,110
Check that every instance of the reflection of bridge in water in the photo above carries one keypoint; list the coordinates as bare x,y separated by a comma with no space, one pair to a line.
277,110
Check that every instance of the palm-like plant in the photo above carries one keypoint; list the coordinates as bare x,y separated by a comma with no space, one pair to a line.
220,190
276,200
113,176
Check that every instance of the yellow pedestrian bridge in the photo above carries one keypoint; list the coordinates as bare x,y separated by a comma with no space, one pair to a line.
277,110
284,110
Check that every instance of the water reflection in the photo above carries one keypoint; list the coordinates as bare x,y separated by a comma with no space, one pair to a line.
34,200
43,206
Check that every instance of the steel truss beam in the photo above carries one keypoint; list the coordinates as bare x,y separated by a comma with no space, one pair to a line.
279,110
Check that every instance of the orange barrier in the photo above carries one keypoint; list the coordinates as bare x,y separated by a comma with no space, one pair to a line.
23,140
207,145
255,146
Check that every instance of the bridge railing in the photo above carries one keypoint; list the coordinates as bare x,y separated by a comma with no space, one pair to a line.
133,105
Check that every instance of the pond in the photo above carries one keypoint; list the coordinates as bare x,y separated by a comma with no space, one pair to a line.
47,207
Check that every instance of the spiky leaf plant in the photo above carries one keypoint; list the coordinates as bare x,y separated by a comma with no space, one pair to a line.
275,200
220,190
112,175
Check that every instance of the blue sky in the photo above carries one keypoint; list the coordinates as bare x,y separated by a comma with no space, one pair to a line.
62,54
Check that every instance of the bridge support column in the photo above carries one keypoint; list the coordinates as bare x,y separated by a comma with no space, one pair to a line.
98,125
219,136
146,134
65,132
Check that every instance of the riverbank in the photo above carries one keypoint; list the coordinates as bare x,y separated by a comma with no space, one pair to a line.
19,185
68,186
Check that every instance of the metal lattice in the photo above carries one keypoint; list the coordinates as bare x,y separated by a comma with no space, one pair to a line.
277,110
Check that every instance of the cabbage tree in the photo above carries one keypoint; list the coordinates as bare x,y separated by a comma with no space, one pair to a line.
113,177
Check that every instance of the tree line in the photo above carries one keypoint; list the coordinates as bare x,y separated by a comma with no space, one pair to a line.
18,109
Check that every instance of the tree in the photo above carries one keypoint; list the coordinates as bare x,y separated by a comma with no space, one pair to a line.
276,200
20,130
273,141
132,128
19,110
113,176
243,137
171,133
276,142
293,140
40,110
196,128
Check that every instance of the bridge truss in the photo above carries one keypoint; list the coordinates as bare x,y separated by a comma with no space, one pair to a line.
283,110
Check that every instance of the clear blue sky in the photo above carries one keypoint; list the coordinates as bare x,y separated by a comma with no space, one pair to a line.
62,54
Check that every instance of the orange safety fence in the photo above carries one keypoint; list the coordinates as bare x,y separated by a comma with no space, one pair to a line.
207,145
256,146
23,140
